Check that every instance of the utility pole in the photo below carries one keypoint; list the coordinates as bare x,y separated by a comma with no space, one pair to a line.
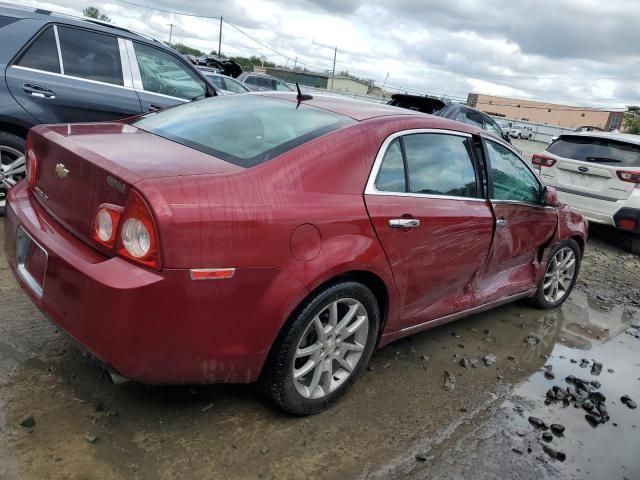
295,63
170,32
220,38
333,73
384,84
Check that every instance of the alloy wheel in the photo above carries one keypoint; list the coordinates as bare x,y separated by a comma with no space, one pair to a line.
330,348
559,275
12,170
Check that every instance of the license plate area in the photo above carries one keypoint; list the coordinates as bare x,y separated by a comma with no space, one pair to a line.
32,261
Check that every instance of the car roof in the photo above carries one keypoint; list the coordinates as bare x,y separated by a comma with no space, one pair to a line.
48,16
621,137
357,109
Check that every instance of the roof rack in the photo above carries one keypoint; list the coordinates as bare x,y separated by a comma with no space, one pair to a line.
69,16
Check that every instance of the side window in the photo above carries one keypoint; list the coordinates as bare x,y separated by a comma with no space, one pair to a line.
470,117
162,73
440,165
265,83
90,55
283,87
217,81
391,175
492,126
512,180
251,80
42,54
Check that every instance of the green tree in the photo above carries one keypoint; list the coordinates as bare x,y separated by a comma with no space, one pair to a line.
93,12
631,123
185,49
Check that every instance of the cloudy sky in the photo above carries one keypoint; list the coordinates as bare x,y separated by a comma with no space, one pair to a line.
582,52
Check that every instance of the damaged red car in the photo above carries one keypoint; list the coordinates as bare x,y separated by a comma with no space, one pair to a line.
280,239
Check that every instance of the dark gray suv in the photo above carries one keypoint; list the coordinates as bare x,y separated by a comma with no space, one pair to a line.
60,69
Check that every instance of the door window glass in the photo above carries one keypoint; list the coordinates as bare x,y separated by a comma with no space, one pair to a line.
234,86
440,165
162,73
470,117
216,80
42,54
391,175
283,87
90,55
512,180
492,126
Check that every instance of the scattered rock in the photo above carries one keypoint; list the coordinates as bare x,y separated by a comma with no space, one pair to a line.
547,437
531,340
538,423
421,457
449,381
553,453
91,438
370,368
489,359
584,363
595,384
425,358
610,370
265,450
28,422
626,400
557,428
596,368
593,421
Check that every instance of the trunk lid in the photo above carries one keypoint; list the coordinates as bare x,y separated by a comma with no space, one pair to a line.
589,164
81,166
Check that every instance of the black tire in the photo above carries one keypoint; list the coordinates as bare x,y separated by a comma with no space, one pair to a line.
632,244
277,377
16,142
539,300
519,136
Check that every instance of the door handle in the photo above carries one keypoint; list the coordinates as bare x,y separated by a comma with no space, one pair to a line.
404,223
37,91
501,222
154,108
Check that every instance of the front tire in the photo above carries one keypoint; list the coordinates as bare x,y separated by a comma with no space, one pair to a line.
12,169
323,349
560,276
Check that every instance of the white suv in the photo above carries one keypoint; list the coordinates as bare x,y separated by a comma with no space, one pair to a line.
598,175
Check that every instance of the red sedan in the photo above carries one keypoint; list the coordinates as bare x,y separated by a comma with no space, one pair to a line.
258,237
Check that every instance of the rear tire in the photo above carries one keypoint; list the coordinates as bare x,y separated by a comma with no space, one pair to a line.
632,244
11,147
562,272
318,341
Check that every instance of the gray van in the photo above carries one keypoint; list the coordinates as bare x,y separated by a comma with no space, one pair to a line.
60,69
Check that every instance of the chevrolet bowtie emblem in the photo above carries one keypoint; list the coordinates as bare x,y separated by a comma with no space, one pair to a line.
62,171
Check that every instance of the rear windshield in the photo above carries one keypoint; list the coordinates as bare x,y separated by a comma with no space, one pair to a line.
245,130
597,150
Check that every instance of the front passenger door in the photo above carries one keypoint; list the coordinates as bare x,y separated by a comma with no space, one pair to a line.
523,224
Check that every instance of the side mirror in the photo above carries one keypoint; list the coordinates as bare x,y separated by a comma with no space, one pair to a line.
550,197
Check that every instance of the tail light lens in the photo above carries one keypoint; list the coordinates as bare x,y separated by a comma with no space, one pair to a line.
31,162
138,240
632,177
105,224
542,161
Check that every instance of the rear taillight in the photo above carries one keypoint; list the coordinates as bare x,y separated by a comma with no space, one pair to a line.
627,224
542,161
138,240
632,177
31,162
105,224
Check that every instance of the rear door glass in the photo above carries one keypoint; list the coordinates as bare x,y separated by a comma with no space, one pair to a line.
90,55
597,150
42,54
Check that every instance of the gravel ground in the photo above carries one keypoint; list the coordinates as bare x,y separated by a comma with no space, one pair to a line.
397,422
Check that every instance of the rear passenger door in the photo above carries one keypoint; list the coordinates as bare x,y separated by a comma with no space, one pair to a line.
524,224
69,74
162,79
425,200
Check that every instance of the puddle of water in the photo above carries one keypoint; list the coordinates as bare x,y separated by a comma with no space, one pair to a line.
588,329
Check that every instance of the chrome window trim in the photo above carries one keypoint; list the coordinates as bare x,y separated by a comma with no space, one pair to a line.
55,34
371,188
125,64
97,82
135,68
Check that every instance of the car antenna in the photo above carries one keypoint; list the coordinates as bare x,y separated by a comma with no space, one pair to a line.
302,96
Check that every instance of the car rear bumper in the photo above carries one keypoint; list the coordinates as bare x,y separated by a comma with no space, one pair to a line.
596,210
152,327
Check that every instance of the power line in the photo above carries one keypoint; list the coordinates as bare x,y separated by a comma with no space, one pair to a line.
157,9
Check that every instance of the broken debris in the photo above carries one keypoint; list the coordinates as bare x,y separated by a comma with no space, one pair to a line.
449,381
28,422
489,359
626,400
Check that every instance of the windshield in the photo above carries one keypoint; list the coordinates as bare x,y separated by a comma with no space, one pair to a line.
596,150
245,130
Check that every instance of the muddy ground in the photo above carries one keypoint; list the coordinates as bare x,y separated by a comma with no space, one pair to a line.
397,422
